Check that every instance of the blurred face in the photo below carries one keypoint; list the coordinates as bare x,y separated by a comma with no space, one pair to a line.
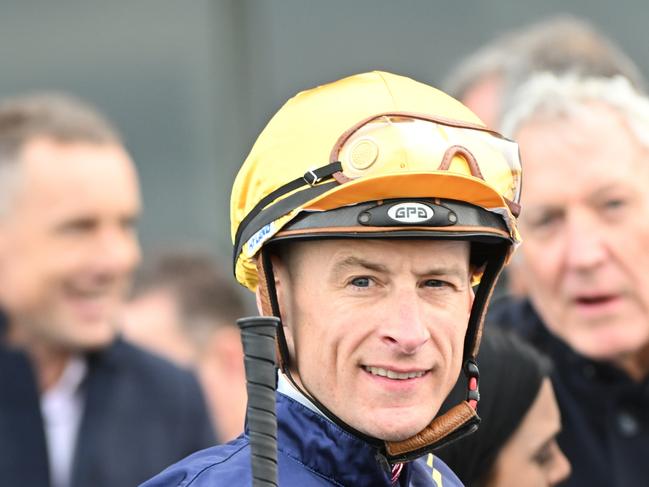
376,327
585,227
484,99
68,245
153,321
532,453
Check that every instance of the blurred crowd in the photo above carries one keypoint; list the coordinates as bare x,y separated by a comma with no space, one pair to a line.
112,369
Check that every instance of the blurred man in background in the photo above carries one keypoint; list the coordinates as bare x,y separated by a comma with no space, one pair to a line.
185,308
586,232
486,80
78,406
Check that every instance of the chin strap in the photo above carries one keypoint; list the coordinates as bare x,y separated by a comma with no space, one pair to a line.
270,305
459,421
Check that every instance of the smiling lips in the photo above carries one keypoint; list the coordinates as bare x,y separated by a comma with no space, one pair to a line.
92,303
392,374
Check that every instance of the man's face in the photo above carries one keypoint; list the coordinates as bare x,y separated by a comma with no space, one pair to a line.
585,226
484,98
376,327
68,244
153,321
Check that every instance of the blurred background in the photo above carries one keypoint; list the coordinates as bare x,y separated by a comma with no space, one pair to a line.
191,83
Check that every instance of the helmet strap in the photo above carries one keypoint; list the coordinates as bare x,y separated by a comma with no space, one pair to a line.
494,266
270,305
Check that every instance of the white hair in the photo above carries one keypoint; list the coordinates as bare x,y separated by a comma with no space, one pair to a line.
549,95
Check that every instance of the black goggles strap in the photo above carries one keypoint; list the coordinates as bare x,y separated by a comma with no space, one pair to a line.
310,178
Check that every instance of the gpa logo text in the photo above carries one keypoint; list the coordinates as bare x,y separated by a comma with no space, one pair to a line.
410,212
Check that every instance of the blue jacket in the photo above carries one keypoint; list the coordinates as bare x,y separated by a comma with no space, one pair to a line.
312,451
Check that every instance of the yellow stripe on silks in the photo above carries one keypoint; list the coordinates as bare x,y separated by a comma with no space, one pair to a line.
436,475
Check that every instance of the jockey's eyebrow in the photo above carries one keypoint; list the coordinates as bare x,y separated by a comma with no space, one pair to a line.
353,262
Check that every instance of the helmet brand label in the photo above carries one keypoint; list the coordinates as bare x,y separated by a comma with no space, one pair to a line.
411,212
257,240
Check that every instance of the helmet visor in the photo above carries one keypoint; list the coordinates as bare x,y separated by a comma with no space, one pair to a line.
394,142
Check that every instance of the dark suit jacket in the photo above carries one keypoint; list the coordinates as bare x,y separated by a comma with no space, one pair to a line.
141,414
604,413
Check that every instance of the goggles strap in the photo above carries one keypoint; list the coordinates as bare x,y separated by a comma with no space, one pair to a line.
311,178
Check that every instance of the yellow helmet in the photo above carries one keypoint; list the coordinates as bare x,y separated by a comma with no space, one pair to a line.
378,155
391,135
